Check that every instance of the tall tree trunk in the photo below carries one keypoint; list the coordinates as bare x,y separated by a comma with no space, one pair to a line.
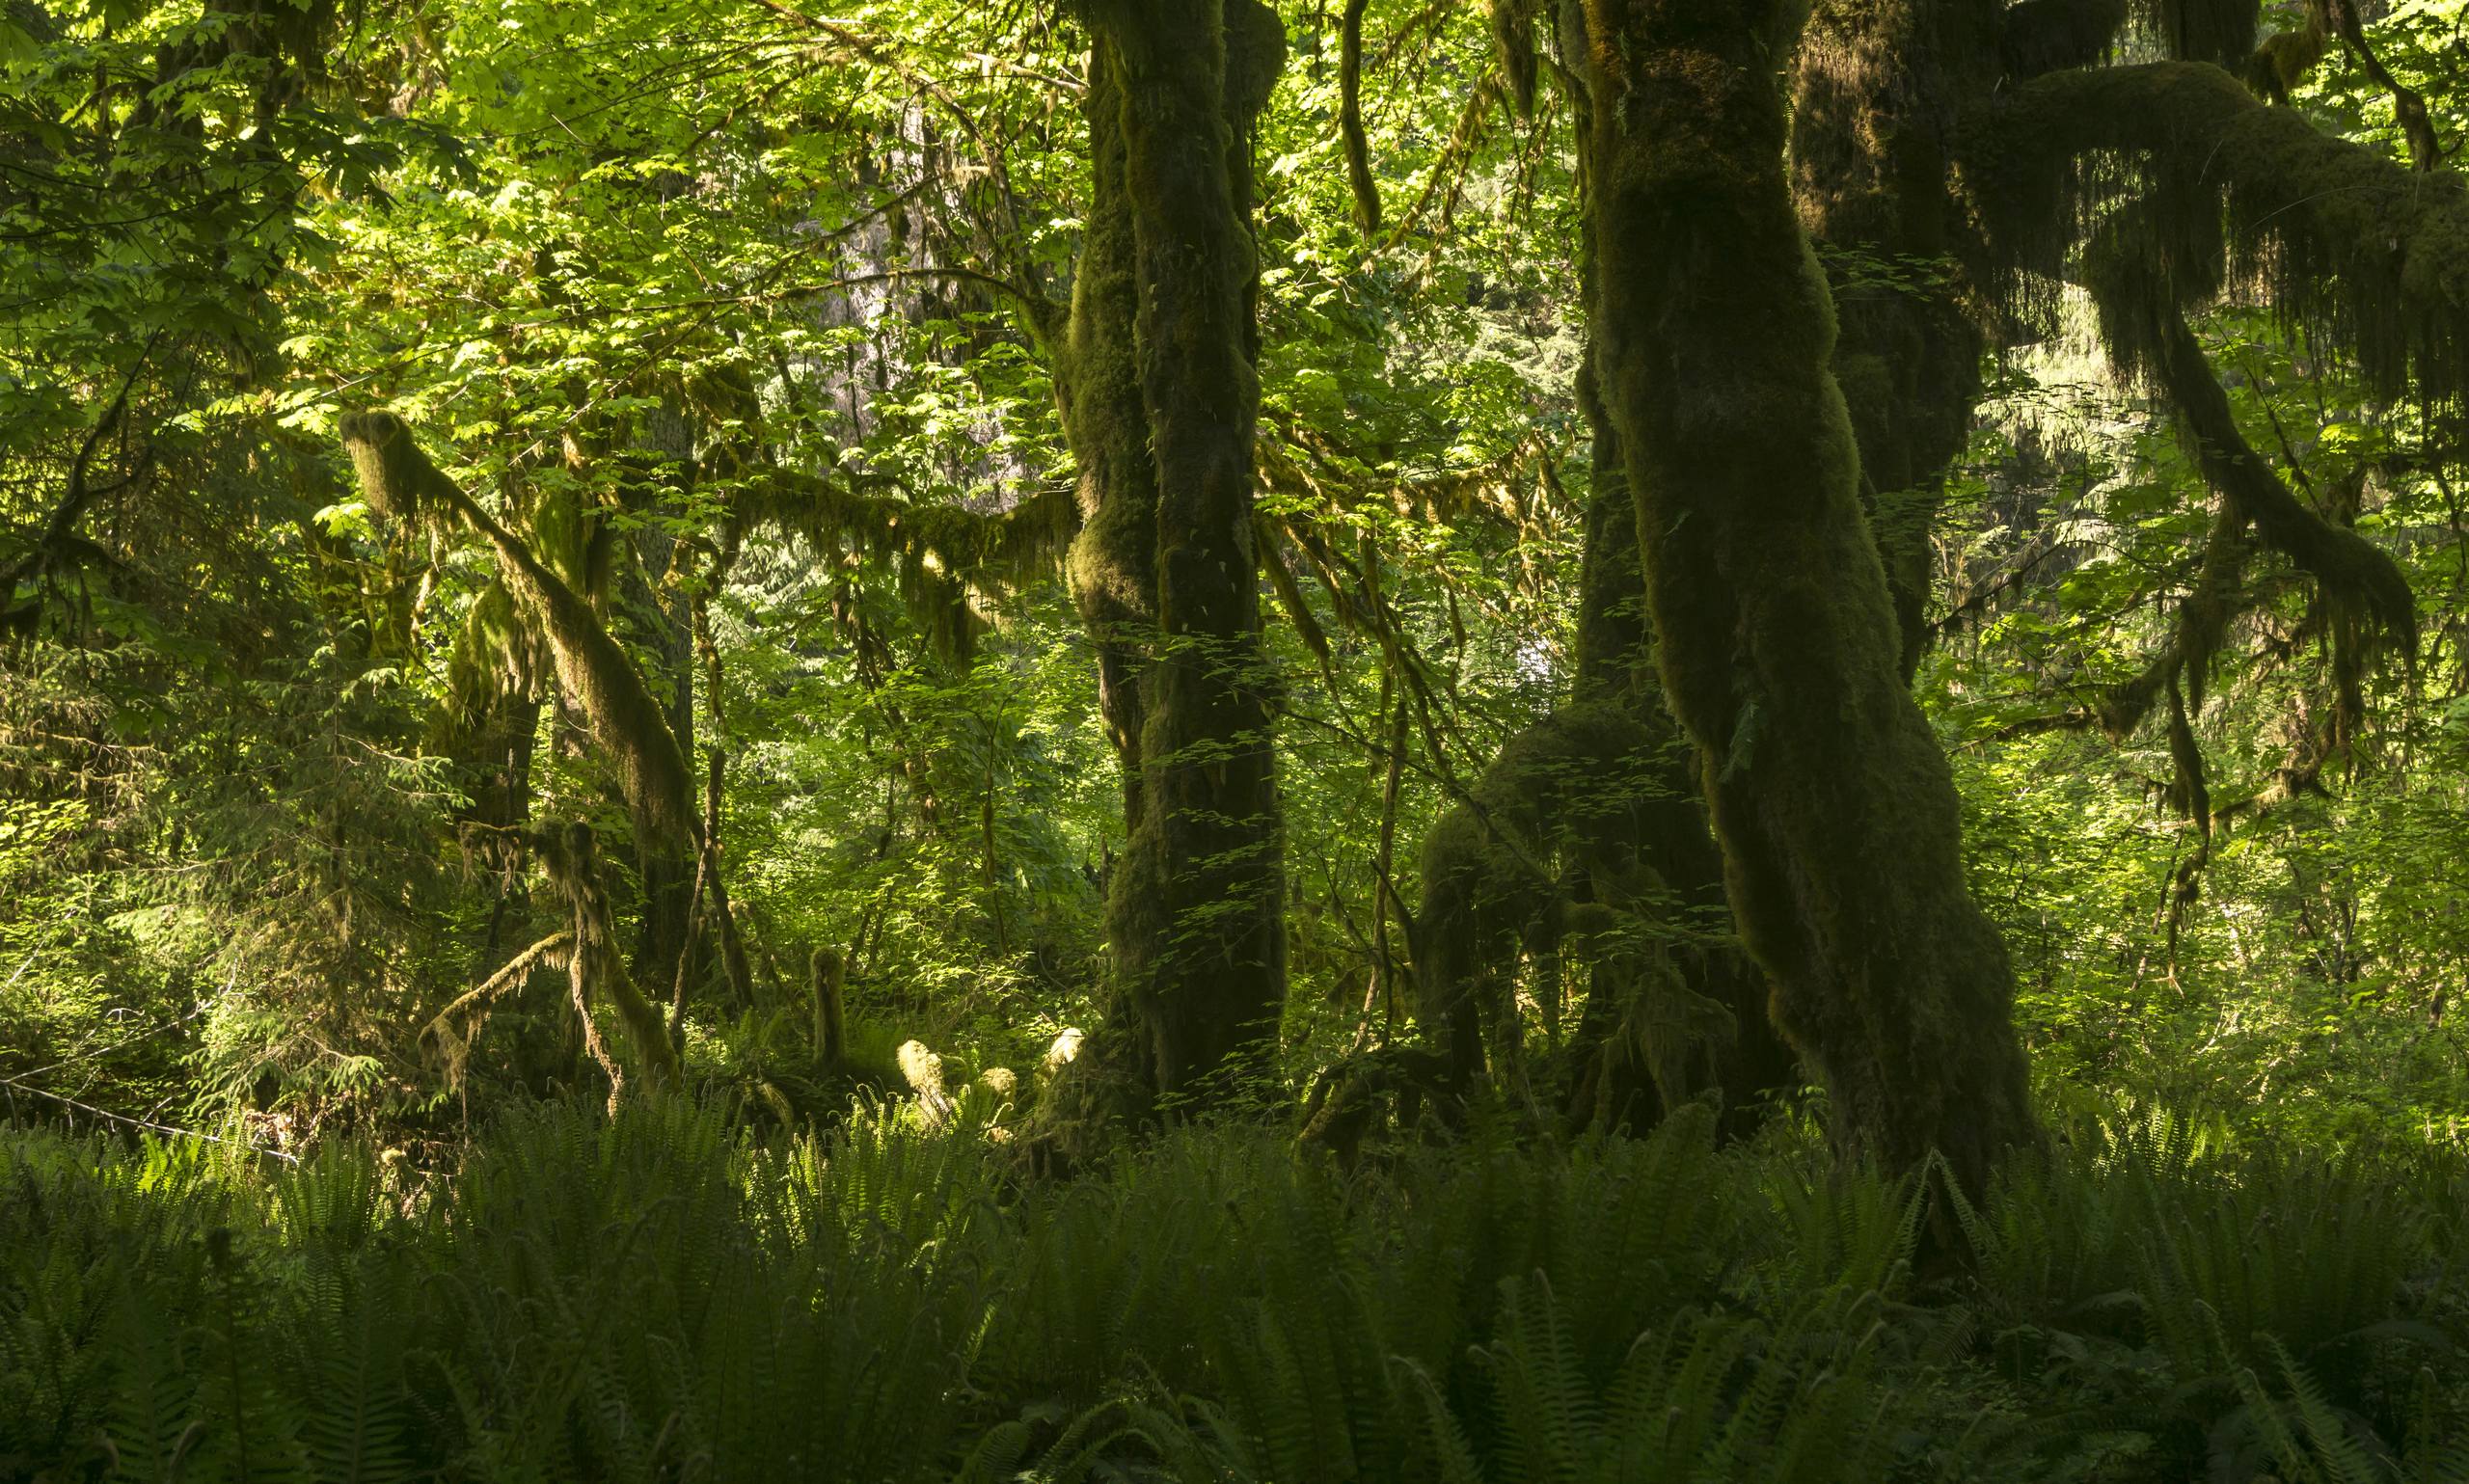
1875,90
1113,569
1196,917
1605,790
1834,807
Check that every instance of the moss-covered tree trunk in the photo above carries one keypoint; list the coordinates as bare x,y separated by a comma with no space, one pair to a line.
1591,819
1875,91
1779,651
1196,925
401,483
1113,567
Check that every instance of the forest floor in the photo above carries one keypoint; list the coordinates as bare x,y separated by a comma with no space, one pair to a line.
662,1295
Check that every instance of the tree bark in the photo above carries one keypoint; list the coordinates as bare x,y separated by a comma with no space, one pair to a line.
1835,809
1200,946
1875,93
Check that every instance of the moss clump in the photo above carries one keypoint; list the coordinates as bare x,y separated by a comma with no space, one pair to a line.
1512,23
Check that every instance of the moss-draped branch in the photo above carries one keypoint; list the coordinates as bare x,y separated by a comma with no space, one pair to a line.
2347,242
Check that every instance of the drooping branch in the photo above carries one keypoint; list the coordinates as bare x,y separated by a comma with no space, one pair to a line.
2371,256
1367,190
401,482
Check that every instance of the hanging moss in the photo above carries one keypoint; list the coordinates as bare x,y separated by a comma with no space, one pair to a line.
2141,298
399,481
1780,652
568,856
2349,249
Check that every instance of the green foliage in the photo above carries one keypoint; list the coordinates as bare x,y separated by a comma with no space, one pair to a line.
664,1292
743,316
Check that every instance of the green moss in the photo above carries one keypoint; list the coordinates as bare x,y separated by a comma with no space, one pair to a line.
1779,646
2358,252
1512,24
399,480
1195,920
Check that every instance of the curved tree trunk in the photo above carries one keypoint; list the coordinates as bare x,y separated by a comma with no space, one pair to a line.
1835,808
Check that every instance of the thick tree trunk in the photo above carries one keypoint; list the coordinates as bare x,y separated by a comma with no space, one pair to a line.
1835,809
1199,936
1875,91
1113,567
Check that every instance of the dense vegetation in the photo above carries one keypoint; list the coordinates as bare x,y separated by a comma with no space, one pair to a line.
1273,739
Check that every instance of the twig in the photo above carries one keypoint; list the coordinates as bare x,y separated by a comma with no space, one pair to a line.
16,1086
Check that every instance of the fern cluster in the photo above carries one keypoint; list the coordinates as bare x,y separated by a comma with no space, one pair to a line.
665,1296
